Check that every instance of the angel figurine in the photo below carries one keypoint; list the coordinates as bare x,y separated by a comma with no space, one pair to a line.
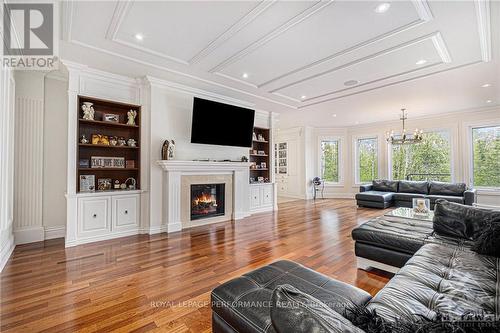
88,111
168,150
131,117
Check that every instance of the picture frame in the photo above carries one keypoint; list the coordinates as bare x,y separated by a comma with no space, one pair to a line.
98,162
83,163
87,183
104,184
111,117
99,139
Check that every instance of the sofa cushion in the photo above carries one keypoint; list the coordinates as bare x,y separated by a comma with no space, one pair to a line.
407,196
403,235
295,311
488,242
449,198
456,220
385,185
239,300
406,186
375,196
449,189
447,279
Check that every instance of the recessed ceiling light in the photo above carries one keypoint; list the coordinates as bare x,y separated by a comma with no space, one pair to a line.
486,85
350,83
303,97
357,122
489,101
245,75
421,62
139,36
334,115
382,8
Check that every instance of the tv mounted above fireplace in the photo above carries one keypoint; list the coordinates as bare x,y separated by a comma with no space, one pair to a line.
221,124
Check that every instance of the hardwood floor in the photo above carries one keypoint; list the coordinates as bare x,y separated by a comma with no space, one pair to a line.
162,283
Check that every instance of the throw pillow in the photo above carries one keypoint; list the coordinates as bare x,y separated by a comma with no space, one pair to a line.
295,311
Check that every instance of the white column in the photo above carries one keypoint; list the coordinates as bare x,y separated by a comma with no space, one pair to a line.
28,174
172,196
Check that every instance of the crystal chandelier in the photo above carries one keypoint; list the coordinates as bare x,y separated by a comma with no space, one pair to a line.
404,138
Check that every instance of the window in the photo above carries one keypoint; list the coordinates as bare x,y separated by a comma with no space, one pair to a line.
330,160
428,160
486,156
366,160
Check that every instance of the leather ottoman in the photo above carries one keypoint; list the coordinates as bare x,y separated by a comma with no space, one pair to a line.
243,304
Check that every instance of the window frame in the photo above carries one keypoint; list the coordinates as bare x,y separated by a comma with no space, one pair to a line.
470,153
356,180
452,134
340,141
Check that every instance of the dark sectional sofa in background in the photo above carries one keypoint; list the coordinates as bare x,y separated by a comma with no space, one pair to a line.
400,193
444,276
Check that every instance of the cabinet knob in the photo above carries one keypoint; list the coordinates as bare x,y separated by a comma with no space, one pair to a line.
94,216
126,211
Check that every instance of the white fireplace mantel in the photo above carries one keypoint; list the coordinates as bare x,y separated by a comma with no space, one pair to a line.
173,172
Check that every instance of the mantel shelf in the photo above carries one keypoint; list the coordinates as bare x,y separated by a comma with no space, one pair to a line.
263,155
108,169
261,141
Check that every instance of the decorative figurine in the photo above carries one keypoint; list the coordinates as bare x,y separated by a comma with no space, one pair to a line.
132,185
116,186
121,141
131,143
244,159
84,140
168,150
88,111
113,141
131,117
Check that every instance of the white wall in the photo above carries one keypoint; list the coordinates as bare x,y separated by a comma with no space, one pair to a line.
7,95
55,154
457,124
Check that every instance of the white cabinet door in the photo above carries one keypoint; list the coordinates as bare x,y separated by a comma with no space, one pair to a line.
94,216
254,196
125,213
267,195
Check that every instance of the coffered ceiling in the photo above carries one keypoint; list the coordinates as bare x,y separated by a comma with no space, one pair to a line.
304,59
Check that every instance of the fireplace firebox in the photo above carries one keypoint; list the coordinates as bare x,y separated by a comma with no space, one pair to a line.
207,200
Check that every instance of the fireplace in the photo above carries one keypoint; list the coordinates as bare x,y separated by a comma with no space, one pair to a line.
207,200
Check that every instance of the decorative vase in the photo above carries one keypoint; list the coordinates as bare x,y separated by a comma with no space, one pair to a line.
168,150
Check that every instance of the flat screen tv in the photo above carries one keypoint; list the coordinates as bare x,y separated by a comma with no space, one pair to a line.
221,124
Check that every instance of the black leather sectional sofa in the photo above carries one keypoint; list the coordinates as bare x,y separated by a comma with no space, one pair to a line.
443,276
387,193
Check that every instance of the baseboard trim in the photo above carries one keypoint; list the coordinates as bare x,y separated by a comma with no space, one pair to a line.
365,264
29,235
6,252
155,230
173,227
55,232
87,240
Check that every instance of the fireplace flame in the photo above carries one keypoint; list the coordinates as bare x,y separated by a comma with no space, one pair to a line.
206,199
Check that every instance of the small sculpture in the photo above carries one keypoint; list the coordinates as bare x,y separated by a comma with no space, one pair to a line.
84,140
131,117
113,141
121,141
168,150
88,111
131,143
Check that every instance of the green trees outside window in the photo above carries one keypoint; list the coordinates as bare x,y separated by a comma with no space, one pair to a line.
431,156
329,150
486,156
367,163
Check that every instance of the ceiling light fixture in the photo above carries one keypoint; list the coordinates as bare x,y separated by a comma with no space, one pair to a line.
489,101
334,115
486,85
139,36
245,75
421,62
403,138
382,8
303,97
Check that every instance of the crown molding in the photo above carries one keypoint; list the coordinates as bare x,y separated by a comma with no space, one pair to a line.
68,8
484,27
229,33
391,84
423,10
273,34
169,85
121,10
